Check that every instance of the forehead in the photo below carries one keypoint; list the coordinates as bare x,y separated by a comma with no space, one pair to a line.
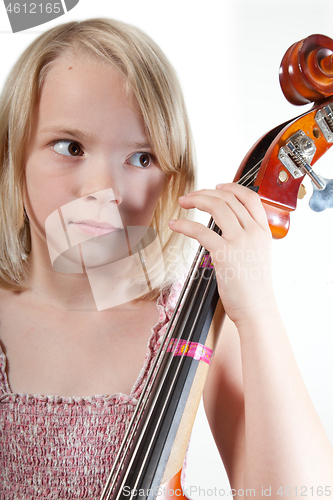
86,91
74,73
72,64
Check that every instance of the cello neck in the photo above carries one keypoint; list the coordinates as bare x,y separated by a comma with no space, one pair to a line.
158,435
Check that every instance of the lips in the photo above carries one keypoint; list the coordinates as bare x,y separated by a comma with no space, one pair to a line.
95,228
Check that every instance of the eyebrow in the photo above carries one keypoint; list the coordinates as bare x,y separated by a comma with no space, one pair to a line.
140,145
73,132
79,134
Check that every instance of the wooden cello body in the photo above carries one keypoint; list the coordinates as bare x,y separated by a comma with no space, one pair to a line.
152,455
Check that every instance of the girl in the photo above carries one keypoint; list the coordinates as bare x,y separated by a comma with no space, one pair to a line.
94,140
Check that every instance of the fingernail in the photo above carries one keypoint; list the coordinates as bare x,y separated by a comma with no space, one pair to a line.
219,186
188,194
171,222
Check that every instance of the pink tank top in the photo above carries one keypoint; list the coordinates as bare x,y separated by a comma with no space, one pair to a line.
63,447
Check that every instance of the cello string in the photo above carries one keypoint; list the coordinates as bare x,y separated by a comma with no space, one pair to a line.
155,368
150,380
173,382
134,427
162,349
171,387
254,170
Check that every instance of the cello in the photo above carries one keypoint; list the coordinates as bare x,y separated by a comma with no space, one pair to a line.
149,461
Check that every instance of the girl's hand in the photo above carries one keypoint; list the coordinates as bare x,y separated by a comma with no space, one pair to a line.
241,256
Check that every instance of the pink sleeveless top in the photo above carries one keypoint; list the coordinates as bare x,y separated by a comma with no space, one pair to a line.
63,447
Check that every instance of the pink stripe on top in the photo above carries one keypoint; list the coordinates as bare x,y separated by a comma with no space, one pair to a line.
180,347
63,447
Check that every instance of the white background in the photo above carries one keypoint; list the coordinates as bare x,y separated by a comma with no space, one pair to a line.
227,56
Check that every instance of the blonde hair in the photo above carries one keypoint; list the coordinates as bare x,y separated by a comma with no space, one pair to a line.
154,83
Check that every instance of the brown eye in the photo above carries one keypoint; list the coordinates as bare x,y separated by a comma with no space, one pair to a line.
140,160
144,160
68,148
74,148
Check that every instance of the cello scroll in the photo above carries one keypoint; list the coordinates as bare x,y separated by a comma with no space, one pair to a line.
306,71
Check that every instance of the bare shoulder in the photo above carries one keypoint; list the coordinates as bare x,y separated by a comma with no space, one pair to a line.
5,294
8,300
224,399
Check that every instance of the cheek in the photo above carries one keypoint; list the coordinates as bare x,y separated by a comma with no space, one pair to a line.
139,202
42,196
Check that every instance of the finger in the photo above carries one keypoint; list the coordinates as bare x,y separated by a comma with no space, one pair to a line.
249,199
228,212
210,240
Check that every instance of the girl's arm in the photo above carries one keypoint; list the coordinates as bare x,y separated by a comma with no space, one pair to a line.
261,416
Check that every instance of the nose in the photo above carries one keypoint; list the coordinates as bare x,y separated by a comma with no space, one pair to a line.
101,183
104,197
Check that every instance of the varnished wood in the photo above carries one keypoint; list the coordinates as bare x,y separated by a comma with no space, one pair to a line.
172,490
306,72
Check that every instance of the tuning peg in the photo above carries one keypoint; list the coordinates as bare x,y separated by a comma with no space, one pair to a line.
301,192
296,156
303,165
322,198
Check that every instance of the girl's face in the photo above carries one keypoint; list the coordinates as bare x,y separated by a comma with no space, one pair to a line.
90,155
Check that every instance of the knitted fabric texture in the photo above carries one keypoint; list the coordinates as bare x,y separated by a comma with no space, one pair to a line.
64,447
